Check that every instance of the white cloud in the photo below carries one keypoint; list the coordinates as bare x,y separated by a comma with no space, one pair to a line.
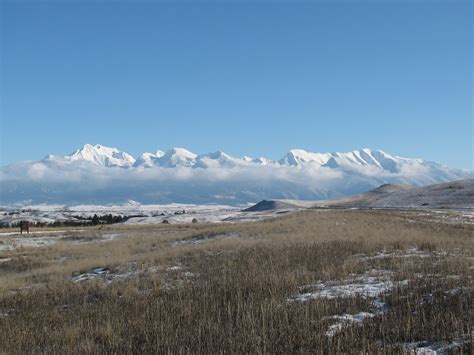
85,182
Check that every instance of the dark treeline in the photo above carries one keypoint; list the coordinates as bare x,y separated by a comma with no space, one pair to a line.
78,221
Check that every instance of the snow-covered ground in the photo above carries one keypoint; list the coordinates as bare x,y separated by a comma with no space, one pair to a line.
136,213
14,241
438,348
184,213
371,285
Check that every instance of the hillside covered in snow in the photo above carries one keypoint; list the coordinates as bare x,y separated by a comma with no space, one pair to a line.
99,174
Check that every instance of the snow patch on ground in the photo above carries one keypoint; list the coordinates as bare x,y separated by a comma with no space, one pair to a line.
203,239
40,232
438,348
17,243
8,243
6,312
173,276
110,236
409,253
106,274
347,320
372,285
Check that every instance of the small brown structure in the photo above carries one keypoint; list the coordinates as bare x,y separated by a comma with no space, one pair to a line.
25,226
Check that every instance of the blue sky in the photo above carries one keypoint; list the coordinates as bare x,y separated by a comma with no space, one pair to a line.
245,77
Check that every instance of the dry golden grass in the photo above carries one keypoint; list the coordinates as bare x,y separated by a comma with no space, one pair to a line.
225,288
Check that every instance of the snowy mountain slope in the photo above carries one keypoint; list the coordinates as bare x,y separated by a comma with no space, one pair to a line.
455,194
218,160
148,159
177,157
356,160
452,195
366,158
370,162
98,155
297,157
98,174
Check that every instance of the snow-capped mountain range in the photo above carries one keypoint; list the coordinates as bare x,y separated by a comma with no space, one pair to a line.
96,173
181,157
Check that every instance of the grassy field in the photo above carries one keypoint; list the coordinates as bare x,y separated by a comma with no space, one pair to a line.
311,282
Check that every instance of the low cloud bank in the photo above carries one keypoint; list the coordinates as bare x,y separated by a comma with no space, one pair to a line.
82,182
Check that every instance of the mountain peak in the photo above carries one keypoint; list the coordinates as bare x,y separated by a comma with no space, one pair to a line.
217,154
296,157
181,152
217,159
177,157
101,155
